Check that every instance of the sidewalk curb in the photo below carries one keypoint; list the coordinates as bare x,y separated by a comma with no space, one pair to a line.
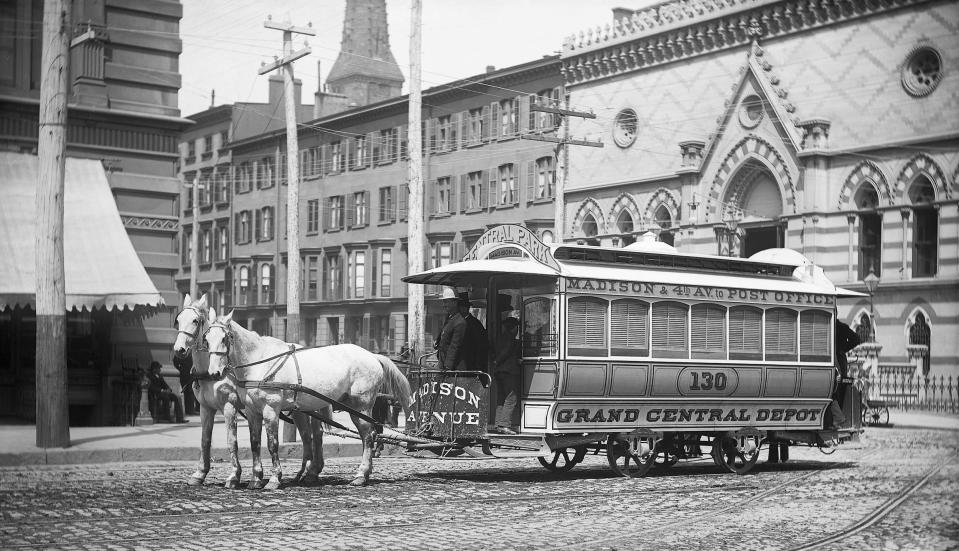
67,456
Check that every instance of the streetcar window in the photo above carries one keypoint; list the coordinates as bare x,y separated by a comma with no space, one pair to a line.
670,330
587,326
745,333
630,327
539,327
815,336
781,334
708,331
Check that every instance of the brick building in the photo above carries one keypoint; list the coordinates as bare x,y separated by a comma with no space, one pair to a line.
735,127
120,201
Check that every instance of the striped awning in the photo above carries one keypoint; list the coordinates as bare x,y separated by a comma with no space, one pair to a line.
101,266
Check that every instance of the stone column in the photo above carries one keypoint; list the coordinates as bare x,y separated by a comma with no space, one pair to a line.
143,416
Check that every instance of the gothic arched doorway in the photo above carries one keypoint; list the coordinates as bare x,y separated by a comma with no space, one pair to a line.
753,204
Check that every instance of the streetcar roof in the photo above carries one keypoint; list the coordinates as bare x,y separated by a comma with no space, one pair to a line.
474,272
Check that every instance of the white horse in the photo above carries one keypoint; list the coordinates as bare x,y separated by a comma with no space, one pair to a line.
215,393
345,373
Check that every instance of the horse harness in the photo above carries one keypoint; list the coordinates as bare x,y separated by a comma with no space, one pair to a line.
267,384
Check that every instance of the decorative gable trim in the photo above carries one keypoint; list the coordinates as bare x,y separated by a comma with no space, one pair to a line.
751,147
922,164
865,171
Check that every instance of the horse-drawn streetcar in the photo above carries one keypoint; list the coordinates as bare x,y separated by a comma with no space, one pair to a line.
642,353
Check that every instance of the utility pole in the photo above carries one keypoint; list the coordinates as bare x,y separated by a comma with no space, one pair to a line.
562,157
292,172
195,239
416,308
53,414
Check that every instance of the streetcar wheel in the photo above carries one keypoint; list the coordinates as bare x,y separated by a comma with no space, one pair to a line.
562,461
726,455
625,463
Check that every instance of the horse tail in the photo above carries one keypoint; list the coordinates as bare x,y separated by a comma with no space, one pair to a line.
395,383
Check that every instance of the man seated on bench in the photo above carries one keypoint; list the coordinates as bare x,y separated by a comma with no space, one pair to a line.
161,395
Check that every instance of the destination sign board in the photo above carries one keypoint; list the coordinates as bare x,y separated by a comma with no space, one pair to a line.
685,415
449,404
695,292
512,235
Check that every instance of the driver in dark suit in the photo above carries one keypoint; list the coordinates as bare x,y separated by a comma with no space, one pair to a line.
451,350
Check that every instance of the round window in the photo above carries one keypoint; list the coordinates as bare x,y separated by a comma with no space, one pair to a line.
751,111
624,128
922,71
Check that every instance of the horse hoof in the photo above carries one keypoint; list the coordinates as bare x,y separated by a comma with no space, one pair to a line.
196,480
256,484
232,484
273,484
309,479
358,481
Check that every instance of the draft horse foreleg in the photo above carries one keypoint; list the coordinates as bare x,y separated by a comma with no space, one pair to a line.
367,437
207,415
271,419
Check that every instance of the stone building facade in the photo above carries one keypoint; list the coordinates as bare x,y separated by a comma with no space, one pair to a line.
123,115
731,127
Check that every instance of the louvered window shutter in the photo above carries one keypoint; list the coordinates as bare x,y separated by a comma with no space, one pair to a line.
780,334
259,224
493,187
368,146
815,337
745,333
484,189
587,326
494,119
530,181
404,141
708,338
520,114
431,197
531,119
350,206
629,327
669,330
464,182
464,118
236,229
403,196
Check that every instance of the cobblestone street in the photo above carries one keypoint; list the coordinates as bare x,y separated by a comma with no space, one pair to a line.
897,490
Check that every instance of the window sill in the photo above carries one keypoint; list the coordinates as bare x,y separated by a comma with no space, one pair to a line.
333,230
506,206
477,143
385,222
440,215
543,200
473,210
314,232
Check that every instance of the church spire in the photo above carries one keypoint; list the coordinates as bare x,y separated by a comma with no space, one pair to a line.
365,70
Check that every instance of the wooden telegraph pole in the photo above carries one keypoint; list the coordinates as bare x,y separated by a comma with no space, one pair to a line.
53,415
416,329
562,155
195,239
292,172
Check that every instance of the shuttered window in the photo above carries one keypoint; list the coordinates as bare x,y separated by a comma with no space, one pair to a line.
780,334
815,336
587,326
708,331
745,333
629,327
670,329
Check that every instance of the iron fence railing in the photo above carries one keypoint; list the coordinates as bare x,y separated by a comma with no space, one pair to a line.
908,390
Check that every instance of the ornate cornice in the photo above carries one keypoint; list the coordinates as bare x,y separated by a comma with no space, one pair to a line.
150,223
686,28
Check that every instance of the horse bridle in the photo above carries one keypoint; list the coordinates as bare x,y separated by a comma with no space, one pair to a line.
227,340
195,335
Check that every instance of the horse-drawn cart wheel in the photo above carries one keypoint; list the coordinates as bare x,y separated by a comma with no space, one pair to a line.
625,462
563,460
726,455
875,415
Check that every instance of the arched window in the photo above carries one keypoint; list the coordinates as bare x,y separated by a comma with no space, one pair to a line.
920,333
925,228
590,230
624,224
665,221
870,231
864,328
266,283
244,285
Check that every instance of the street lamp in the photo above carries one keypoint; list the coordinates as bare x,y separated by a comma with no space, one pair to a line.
732,224
872,283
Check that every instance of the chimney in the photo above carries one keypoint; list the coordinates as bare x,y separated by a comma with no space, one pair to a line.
490,68
622,13
276,90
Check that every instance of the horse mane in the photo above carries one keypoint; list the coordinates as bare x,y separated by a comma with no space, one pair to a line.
250,343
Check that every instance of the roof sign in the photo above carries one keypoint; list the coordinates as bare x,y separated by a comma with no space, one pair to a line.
511,236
